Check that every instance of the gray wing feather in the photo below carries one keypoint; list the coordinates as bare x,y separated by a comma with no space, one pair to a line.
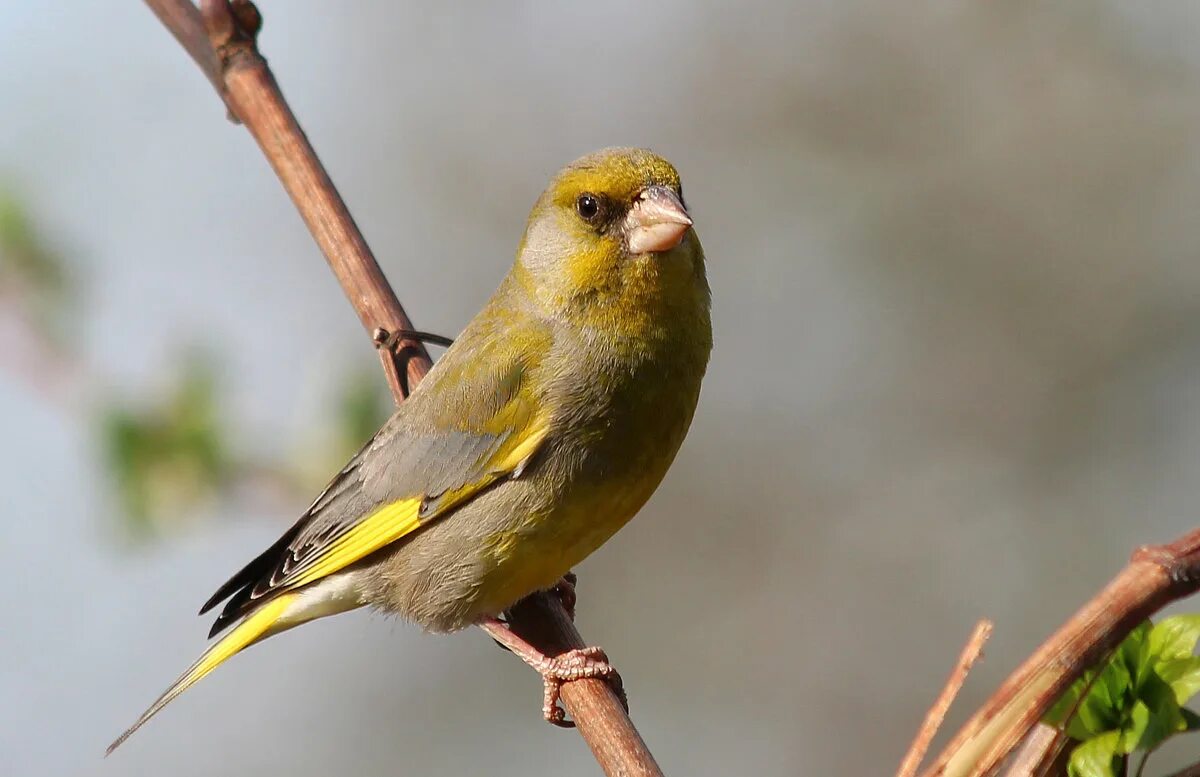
424,449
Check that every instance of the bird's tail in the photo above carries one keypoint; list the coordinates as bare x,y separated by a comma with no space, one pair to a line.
270,618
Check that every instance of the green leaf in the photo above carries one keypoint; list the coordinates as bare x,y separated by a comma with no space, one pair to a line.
1192,719
1096,757
1062,712
1138,692
1109,695
1099,711
1174,637
1150,724
1182,675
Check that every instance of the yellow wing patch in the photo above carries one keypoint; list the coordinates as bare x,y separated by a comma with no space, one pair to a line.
395,520
381,528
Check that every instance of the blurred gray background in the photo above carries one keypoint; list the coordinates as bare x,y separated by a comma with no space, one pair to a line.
952,247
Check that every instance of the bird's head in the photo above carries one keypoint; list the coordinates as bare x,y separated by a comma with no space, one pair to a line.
612,228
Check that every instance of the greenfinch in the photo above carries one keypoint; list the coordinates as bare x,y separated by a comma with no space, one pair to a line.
539,433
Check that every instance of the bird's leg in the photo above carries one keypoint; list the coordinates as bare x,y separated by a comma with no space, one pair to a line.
564,589
578,664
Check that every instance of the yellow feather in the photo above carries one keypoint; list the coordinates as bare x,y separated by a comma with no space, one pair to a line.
252,629
393,521
523,448
383,527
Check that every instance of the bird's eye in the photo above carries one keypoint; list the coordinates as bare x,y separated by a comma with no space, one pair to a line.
588,206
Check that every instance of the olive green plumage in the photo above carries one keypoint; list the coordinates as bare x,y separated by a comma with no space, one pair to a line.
539,433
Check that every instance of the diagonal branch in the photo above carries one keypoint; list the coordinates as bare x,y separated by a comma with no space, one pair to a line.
240,74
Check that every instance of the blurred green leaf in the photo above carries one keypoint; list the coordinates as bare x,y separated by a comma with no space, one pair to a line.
28,265
166,458
363,405
1096,757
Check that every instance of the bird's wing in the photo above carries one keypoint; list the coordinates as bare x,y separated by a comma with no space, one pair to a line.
470,423
473,421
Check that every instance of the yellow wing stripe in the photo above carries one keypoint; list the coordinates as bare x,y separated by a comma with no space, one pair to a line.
393,521
522,449
382,527
246,633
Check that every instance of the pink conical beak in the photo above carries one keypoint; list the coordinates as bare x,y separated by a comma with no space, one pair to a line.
657,221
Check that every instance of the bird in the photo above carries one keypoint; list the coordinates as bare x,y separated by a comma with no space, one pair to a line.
539,433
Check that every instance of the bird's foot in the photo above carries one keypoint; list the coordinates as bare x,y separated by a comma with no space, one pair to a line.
589,663
579,664
564,589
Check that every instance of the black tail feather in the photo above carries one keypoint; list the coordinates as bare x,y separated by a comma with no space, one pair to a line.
239,586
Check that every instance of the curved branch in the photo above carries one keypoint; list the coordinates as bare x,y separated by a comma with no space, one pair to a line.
1154,577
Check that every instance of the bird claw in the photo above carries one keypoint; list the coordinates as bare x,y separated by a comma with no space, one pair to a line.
564,589
589,663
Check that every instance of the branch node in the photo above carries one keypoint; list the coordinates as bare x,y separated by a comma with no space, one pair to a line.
1181,564
233,29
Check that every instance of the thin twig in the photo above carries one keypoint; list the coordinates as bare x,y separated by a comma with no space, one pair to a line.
1155,577
253,96
937,713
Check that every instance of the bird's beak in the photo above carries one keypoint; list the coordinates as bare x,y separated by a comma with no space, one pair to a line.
657,221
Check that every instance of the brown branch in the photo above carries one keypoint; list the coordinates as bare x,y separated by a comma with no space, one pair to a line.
1190,771
937,713
597,711
1155,577
254,98
244,80
1042,752
183,20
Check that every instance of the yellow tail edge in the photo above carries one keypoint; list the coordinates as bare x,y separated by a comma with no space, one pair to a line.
258,625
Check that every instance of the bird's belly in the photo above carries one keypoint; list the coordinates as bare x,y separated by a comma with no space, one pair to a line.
603,477
532,555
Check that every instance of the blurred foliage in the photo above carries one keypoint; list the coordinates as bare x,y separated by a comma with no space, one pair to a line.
1135,702
363,405
166,458
169,456
34,272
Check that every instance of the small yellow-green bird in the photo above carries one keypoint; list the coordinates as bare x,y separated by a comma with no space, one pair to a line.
539,433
